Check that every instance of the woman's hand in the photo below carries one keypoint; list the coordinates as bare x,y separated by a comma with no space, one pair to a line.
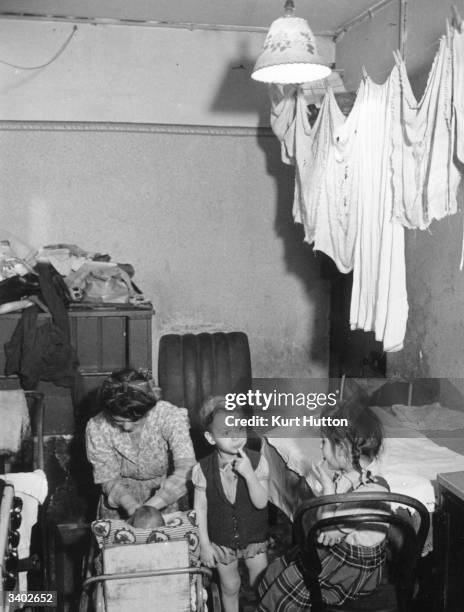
128,504
242,465
207,554
133,517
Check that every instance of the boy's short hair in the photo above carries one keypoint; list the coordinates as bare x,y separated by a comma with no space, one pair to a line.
210,407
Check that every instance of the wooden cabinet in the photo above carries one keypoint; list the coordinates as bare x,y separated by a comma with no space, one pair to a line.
106,338
450,542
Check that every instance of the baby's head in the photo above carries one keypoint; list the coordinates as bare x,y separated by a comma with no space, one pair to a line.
356,444
147,517
220,425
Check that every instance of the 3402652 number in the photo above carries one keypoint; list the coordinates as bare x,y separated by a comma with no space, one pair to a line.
30,598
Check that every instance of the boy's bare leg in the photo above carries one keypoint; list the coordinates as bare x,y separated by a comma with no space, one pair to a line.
230,585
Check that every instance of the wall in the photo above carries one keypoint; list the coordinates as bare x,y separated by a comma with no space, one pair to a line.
435,333
133,74
205,220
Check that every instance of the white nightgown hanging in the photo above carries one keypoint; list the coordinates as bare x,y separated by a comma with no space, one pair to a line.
379,299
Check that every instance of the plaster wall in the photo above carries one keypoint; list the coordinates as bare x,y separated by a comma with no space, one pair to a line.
435,334
133,74
205,220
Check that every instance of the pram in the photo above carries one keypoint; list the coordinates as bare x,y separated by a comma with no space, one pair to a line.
140,569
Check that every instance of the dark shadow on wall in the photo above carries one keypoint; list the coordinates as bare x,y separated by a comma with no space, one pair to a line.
238,93
435,287
299,257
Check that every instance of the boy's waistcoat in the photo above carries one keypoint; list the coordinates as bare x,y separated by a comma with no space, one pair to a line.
234,525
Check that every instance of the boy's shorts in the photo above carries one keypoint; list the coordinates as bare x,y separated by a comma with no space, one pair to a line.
226,555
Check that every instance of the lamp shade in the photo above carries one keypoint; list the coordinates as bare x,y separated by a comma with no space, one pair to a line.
289,54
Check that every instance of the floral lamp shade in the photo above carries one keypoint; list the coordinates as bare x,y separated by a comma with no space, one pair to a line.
289,55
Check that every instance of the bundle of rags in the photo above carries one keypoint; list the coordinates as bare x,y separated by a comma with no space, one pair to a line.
14,417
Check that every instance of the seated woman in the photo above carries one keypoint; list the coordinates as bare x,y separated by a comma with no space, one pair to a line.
128,444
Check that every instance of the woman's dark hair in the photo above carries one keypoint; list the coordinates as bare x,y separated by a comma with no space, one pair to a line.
363,435
129,394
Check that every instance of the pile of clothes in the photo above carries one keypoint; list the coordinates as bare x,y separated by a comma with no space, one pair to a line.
49,281
79,276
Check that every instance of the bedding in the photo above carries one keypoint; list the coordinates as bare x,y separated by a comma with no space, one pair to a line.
410,459
429,417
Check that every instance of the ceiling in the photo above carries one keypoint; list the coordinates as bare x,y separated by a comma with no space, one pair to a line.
324,16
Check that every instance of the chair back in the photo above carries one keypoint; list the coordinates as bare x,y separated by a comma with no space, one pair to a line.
193,367
375,511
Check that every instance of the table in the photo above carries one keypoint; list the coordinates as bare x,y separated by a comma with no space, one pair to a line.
450,541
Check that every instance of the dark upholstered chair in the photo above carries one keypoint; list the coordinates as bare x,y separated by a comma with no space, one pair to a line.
404,546
192,367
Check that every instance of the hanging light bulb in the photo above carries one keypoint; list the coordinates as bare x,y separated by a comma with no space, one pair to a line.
289,54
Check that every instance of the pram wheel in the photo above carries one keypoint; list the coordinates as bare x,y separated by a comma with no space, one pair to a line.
94,602
215,597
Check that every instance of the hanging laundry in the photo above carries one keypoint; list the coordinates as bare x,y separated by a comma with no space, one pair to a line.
320,177
458,89
330,186
379,299
391,164
343,198
425,177
458,99
289,121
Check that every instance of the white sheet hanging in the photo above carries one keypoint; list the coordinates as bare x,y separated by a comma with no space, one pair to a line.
379,299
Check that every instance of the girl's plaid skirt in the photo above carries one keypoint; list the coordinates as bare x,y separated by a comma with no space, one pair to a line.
348,572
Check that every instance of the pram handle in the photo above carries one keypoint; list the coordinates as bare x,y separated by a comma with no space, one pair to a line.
162,572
